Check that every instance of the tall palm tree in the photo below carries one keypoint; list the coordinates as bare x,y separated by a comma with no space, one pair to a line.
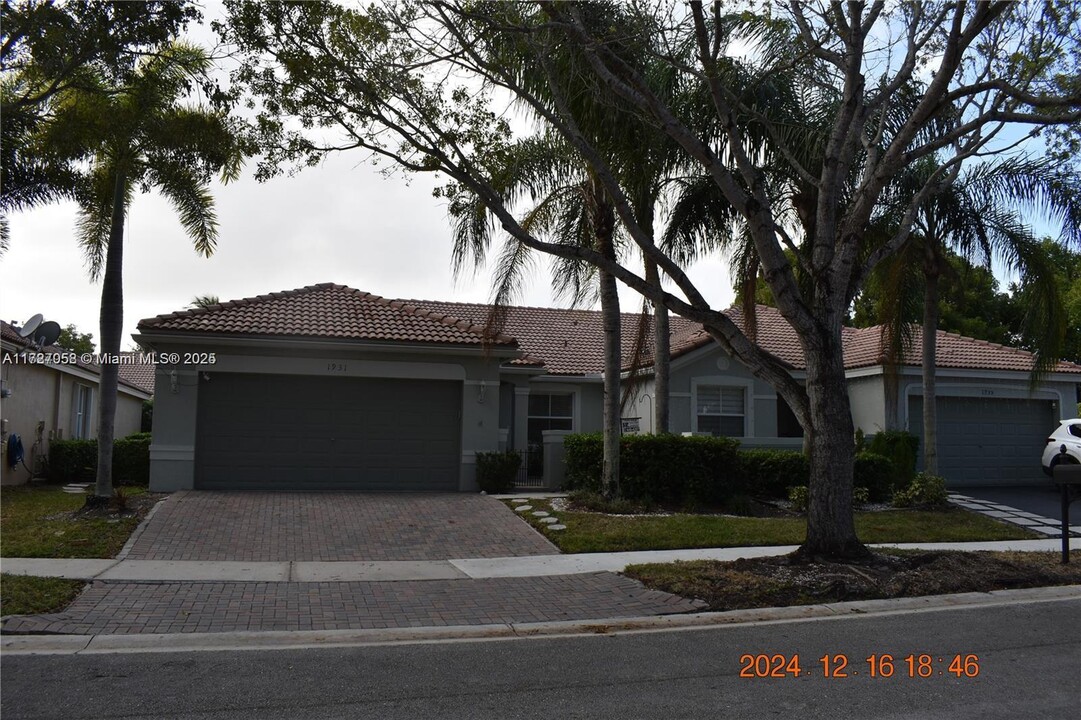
571,207
137,135
978,216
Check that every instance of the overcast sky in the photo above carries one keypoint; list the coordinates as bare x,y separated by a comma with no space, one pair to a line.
342,222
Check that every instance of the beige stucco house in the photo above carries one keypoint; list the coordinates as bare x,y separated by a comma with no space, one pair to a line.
43,401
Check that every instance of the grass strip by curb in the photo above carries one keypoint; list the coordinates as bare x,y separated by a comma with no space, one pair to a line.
37,522
26,595
595,532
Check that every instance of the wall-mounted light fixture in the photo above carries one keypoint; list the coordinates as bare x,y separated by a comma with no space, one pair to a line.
172,381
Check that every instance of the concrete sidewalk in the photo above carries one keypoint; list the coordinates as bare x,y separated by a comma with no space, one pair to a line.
457,569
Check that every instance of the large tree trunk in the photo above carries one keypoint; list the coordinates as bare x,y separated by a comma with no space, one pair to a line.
831,530
662,351
112,325
930,341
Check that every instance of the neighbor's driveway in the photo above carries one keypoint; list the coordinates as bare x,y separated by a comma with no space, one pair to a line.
195,525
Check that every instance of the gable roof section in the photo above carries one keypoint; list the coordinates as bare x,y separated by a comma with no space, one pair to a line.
562,341
327,311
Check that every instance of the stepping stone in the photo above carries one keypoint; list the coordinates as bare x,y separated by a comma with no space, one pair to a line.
1025,521
556,527
540,513
82,485
74,491
523,508
550,520
519,501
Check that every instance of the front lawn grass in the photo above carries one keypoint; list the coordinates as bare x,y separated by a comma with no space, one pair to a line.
594,532
26,595
780,582
40,522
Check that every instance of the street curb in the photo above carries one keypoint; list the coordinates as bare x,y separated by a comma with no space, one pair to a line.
308,639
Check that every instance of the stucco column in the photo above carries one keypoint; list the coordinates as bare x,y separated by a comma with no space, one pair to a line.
555,467
172,450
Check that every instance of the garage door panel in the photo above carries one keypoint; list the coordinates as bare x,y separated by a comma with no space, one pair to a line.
264,432
987,441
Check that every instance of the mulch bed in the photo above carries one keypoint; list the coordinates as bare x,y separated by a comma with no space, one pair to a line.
782,581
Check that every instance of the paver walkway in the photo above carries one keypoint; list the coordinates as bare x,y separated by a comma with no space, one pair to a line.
124,608
1051,527
330,527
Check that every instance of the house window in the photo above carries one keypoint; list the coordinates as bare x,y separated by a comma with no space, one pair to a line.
81,407
721,410
549,411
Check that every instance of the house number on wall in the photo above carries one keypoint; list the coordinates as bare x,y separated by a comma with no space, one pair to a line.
985,392
337,367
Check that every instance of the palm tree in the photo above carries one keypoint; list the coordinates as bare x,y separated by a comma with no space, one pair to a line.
977,217
137,135
203,301
571,207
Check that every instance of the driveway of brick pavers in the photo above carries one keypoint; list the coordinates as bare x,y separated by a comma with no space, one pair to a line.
126,608
254,527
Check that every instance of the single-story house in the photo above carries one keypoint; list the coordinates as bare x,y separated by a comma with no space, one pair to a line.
58,400
326,388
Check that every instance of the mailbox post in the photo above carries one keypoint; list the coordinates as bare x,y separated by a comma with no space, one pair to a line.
1068,478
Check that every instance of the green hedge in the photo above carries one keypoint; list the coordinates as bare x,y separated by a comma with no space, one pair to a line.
672,469
668,469
769,473
901,448
497,471
77,460
877,473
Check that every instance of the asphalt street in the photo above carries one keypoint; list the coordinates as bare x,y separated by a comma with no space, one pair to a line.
1018,661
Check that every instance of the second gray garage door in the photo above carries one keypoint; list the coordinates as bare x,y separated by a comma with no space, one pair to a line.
302,433
988,441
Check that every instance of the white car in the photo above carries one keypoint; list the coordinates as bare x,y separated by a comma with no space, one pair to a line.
1068,435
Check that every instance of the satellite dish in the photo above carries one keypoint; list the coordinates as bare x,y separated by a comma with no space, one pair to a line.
47,333
30,326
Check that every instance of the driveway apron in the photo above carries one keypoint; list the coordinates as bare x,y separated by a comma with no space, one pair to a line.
334,527
282,527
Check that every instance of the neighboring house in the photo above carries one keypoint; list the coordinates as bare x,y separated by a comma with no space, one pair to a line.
327,388
58,400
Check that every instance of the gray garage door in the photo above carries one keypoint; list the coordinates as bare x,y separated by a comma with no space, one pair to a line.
286,432
988,441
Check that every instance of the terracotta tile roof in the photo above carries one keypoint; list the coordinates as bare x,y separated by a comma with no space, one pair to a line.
132,376
326,311
562,341
951,351
864,347
569,342
7,332
140,374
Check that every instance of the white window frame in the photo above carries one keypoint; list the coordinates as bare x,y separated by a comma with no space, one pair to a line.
746,386
82,417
